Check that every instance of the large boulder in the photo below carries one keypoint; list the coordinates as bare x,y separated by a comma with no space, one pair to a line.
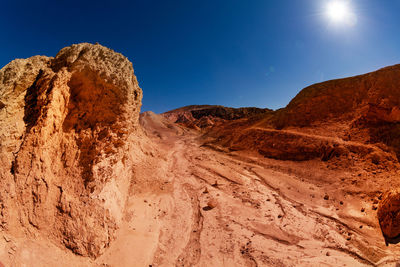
389,214
65,150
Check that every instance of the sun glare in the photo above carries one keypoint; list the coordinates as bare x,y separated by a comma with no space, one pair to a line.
340,12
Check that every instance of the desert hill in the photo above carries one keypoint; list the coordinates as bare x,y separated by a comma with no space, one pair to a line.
358,114
373,95
88,181
206,116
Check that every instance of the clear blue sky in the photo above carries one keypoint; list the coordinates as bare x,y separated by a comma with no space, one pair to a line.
229,52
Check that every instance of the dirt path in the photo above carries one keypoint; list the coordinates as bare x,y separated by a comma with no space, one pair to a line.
230,209
192,205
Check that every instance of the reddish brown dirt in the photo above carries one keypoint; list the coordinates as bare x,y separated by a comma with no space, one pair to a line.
217,208
85,182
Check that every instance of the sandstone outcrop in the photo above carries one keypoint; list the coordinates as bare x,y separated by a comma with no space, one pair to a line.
66,130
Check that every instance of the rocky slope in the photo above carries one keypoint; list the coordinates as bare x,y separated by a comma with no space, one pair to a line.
206,116
374,96
87,181
366,105
66,149
352,117
351,124
362,109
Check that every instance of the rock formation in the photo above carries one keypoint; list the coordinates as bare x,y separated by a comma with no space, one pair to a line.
66,125
206,116
389,214
86,181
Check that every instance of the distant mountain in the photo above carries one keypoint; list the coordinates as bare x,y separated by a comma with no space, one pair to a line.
205,116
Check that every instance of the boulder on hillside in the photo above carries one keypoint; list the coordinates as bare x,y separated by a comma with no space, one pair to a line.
389,214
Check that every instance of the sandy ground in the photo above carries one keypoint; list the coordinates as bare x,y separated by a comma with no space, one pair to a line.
207,207
191,205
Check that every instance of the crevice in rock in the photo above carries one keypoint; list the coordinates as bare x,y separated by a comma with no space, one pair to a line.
93,112
31,113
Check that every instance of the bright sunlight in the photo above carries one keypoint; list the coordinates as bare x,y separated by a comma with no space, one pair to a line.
340,12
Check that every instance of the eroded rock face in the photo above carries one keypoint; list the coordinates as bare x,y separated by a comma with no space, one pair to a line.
65,151
389,214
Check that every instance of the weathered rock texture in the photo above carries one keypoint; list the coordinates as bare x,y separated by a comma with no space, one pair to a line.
389,214
65,150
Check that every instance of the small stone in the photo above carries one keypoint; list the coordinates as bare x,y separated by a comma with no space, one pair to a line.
326,197
361,226
328,254
212,203
341,202
362,209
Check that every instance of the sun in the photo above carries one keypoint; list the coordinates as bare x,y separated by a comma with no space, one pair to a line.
337,10
340,12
